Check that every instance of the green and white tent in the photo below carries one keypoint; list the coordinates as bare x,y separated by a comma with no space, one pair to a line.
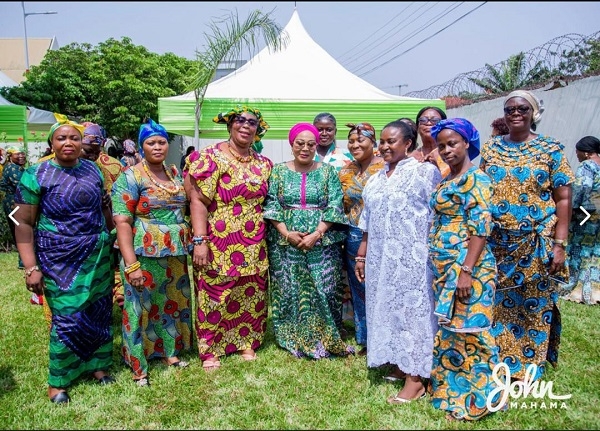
289,86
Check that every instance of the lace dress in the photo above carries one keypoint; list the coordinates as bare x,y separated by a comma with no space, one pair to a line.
399,295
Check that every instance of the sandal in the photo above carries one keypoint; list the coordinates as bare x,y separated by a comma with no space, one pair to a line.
211,364
142,382
399,400
248,355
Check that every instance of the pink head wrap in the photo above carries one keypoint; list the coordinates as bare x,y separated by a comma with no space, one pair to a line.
302,127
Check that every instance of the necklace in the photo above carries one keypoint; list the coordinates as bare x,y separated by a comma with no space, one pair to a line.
156,183
310,168
238,156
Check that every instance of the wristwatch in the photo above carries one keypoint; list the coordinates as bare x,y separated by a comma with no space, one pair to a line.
466,269
562,242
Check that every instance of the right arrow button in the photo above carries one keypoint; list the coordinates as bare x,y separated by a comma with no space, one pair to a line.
587,216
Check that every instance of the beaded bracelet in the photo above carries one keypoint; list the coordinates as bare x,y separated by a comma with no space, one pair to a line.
360,259
197,240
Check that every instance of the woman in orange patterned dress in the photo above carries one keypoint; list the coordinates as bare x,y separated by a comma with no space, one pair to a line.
226,185
148,208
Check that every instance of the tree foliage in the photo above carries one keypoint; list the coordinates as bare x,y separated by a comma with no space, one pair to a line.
513,74
115,84
583,60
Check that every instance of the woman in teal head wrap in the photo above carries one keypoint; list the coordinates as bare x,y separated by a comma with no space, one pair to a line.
154,239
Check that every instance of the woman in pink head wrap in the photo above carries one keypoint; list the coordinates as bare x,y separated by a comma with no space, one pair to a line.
304,206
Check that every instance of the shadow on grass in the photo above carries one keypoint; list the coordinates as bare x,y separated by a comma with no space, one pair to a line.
7,381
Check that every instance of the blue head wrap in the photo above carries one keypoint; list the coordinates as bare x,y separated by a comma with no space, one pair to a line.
464,128
149,129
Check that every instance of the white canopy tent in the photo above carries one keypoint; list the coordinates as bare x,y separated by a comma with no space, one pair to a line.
289,86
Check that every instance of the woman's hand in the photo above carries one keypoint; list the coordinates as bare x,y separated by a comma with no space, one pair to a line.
559,258
35,283
432,158
200,255
294,238
309,240
136,279
463,286
359,271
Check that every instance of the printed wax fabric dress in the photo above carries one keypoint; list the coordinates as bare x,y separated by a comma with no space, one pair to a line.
353,182
399,298
464,352
72,247
583,251
304,285
157,322
527,320
231,293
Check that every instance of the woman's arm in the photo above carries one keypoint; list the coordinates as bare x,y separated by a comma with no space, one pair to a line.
125,239
562,198
359,267
198,218
26,218
465,279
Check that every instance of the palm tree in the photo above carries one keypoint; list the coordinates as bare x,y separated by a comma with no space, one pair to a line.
227,44
511,75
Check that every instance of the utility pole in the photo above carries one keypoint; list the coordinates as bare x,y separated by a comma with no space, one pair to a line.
400,88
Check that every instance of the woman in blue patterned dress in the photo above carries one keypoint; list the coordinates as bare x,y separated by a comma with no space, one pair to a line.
63,238
303,203
583,251
148,202
531,209
464,269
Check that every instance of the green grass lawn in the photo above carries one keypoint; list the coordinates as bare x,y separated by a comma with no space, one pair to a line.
277,391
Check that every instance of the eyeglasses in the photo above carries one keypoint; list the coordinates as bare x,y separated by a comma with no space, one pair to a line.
432,120
509,110
242,120
310,144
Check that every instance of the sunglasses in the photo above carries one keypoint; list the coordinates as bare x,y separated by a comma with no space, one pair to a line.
509,110
242,120
432,120
310,144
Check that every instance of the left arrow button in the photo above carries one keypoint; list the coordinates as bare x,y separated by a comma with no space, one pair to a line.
11,215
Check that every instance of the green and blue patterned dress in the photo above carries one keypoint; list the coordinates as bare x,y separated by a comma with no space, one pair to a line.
72,246
304,285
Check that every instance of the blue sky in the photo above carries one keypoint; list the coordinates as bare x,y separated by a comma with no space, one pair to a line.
360,35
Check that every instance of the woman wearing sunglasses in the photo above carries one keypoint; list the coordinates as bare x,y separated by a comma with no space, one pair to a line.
428,117
531,209
226,185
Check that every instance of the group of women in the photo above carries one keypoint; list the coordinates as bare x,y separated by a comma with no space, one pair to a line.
444,258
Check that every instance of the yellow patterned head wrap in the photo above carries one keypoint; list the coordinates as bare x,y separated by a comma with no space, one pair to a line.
13,149
62,120
227,117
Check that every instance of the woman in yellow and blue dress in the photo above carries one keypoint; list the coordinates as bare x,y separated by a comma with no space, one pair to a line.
464,268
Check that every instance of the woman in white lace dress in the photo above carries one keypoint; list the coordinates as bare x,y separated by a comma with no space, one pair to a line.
392,261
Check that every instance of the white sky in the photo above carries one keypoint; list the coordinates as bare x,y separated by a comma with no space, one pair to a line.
354,33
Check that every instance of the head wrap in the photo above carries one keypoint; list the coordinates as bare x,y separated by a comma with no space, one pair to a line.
93,134
464,128
588,144
302,127
128,147
227,117
149,129
13,149
63,120
364,129
536,104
